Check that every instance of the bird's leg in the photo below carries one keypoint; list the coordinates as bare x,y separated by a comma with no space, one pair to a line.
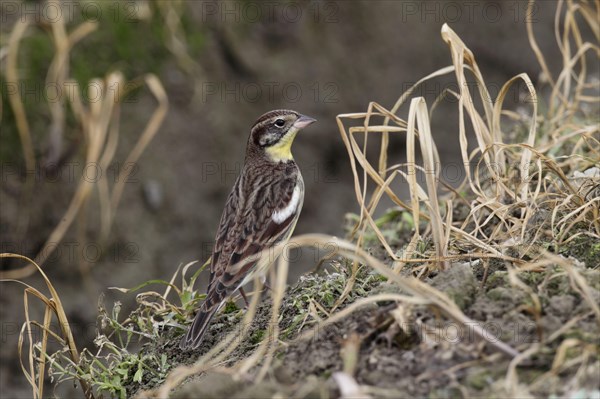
241,290
266,287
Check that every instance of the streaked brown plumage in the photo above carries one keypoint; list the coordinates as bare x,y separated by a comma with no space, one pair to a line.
261,211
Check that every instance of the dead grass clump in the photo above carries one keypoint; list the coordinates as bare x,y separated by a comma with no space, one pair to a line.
524,199
97,119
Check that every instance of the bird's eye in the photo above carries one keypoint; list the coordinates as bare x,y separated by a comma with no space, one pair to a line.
279,123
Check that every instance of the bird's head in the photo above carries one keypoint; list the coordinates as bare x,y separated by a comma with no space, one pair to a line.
274,132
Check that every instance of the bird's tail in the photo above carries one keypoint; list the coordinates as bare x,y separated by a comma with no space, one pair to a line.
215,298
193,338
211,305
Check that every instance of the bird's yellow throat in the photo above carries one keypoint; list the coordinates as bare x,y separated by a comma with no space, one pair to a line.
282,150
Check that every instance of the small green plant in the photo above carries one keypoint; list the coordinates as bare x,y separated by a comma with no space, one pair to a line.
118,361
110,369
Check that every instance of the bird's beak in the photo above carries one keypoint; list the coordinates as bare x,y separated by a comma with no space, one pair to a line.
303,121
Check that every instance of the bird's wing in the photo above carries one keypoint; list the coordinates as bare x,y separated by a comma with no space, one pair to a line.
246,231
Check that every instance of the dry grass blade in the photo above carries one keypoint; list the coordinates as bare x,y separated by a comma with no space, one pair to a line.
533,42
512,378
100,123
15,99
53,305
483,132
98,120
12,78
57,74
431,162
526,155
148,134
578,281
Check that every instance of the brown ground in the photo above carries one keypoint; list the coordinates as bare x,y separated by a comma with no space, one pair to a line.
429,356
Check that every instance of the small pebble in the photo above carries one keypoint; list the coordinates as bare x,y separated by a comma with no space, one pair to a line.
153,194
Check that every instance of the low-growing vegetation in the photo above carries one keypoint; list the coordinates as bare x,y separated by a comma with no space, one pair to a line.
488,288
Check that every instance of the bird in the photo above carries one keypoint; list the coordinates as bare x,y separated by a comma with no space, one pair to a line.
261,211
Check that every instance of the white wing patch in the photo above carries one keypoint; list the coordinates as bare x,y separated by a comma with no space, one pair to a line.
281,215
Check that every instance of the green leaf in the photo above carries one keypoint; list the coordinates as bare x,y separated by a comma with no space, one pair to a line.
137,377
144,284
408,219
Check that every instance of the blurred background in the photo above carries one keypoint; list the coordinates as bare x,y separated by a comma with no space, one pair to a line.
151,196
